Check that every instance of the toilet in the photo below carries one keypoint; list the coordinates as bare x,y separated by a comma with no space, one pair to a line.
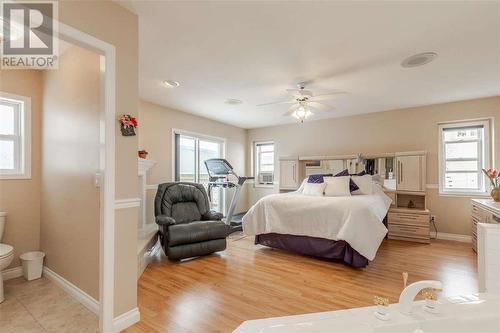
6,253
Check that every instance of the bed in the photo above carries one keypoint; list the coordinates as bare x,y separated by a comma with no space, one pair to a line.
347,228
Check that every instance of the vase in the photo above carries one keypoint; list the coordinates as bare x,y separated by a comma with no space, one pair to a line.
495,194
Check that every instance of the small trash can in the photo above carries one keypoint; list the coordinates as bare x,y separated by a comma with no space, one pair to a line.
32,264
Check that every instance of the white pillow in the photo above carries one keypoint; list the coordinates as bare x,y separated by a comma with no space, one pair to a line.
337,186
364,183
314,189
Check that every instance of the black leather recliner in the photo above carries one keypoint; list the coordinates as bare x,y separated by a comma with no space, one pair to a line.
188,228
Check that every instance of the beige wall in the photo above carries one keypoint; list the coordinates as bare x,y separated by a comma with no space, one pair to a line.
155,136
114,24
21,198
70,216
391,131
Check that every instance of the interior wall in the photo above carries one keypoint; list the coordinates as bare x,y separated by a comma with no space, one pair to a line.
155,136
116,25
390,131
20,198
70,218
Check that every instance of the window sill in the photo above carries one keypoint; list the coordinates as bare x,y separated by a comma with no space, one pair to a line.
14,176
464,194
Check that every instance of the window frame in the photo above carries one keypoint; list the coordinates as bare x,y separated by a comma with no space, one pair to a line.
256,166
485,157
22,140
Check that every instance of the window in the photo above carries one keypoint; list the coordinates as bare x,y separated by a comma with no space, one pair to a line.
191,151
14,137
464,149
264,163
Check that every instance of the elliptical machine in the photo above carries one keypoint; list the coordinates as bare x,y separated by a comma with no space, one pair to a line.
219,171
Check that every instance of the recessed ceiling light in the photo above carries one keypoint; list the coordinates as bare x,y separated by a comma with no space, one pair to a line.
171,83
419,59
233,101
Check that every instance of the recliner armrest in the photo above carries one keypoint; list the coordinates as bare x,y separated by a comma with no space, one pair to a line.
212,216
164,220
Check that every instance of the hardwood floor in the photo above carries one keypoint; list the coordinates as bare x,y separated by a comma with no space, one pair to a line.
217,293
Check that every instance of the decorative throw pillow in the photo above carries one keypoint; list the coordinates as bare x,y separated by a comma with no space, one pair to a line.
314,189
318,178
337,186
352,186
365,184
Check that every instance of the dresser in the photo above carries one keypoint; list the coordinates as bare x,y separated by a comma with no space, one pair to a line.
483,211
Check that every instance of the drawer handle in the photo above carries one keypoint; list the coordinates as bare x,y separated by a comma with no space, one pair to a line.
408,217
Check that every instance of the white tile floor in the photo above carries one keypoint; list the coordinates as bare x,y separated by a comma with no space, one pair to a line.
41,306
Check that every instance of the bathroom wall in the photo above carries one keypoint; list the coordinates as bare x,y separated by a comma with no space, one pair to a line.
155,136
20,198
112,23
70,216
390,131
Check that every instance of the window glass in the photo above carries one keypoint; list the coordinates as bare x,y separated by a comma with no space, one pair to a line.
264,163
463,180
461,150
7,155
461,134
187,159
7,119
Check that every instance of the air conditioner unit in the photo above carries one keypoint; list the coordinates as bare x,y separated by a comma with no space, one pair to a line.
266,177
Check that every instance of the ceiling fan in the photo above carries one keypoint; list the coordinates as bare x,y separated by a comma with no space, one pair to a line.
304,102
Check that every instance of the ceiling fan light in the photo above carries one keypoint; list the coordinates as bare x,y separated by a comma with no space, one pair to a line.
302,114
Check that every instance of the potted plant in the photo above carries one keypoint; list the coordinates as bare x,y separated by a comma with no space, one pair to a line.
494,178
143,154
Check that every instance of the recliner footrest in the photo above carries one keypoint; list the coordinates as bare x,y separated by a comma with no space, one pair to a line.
196,249
194,232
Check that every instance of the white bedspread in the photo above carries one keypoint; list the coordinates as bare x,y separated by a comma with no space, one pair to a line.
356,219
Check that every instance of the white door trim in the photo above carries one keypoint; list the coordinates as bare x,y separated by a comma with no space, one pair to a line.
107,162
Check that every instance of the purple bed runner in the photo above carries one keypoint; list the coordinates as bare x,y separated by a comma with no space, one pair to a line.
313,246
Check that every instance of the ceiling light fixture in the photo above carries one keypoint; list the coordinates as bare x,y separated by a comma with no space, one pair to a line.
171,83
233,101
419,59
302,113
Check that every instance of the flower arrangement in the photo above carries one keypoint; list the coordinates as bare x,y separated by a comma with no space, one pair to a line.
494,178
143,154
128,125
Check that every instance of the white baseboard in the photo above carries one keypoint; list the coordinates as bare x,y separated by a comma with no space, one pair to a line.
12,273
88,301
126,319
119,323
454,237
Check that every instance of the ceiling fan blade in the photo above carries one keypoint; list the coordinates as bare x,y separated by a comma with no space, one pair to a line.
277,103
291,110
324,97
322,107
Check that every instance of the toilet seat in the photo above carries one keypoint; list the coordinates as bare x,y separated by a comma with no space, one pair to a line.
5,250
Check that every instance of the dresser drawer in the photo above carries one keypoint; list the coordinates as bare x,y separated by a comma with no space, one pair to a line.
411,231
408,218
